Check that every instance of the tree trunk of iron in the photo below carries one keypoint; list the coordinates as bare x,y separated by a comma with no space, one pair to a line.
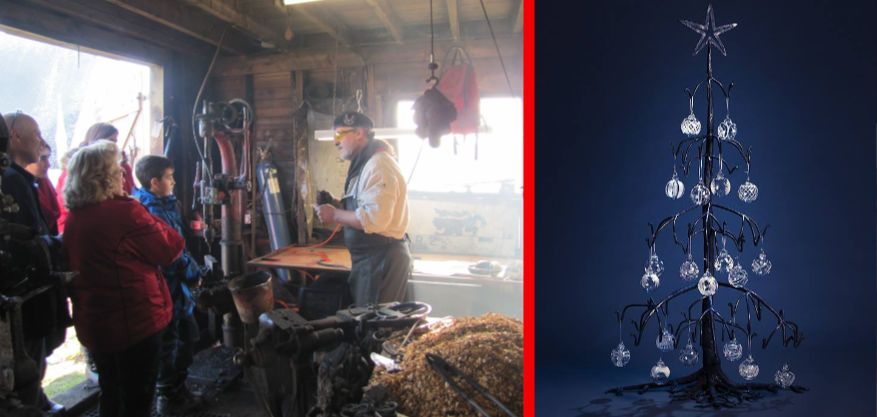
711,362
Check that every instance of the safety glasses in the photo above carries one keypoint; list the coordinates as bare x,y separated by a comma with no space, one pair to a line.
340,134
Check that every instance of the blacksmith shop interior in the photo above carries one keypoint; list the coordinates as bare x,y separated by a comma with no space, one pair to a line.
261,208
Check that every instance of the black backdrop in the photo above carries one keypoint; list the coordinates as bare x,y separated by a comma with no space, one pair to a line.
610,78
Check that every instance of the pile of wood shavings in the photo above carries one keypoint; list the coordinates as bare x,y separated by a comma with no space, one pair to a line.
490,349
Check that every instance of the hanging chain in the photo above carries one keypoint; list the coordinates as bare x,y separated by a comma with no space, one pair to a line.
432,64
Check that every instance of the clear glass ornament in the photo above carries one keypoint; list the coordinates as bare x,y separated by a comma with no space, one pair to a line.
650,281
620,355
688,355
738,277
748,369
707,284
784,377
674,189
660,373
727,129
700,194
720,186
732,350
747,192
724,261
761,265
656,265
689,270
690,125
665,341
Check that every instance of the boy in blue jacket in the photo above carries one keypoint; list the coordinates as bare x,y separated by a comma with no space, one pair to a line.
156,176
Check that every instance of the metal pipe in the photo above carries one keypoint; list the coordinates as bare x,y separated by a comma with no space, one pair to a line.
231,244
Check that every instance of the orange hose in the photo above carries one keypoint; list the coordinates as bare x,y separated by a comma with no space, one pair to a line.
338,226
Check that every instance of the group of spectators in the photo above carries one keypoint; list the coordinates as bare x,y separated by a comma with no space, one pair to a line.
132,307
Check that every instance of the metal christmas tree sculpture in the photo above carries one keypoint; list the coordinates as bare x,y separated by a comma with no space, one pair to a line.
716,274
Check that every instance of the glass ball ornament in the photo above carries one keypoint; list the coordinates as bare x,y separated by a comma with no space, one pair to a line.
707,284
732,350
620,355
689,270
748,369
699,193
747,192
724,261
674,189
738,277
660,373
656,265
650,281
784,377
688,355
720,186
665,341
690,125
761,265
727,129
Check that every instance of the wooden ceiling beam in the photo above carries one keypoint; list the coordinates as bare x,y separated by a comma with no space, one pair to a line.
229,14
387,17
454,19
28,17
102,14
416,54
179,17
308,11
519,19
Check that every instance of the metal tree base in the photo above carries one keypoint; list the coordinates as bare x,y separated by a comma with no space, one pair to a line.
708,388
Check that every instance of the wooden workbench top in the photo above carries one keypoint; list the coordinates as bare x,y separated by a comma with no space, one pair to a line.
337,258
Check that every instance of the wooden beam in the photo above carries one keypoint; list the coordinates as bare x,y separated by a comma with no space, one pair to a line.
519,20
454,19
61,28
385,14
323,24
230,15
416,54
176,16
102,14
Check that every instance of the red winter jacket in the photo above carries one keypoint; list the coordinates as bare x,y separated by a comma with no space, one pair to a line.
119,297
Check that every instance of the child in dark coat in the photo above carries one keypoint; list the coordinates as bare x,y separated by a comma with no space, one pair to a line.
156,176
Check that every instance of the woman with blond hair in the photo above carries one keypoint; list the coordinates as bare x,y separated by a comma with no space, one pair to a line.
97,131
121,303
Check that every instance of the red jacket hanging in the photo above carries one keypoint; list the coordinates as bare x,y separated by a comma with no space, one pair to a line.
119,297
459,85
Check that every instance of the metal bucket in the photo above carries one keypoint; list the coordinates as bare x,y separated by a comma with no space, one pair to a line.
253,294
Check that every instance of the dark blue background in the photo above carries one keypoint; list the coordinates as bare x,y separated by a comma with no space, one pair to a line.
610,79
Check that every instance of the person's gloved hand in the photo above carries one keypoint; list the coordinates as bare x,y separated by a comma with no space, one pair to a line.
325,197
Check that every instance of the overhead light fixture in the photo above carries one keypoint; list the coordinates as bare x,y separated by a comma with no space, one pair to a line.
291,2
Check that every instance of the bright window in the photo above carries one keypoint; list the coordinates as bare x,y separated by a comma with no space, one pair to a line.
453,167
67,90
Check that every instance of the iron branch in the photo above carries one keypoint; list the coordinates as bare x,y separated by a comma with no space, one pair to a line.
757,233
651,309
782,323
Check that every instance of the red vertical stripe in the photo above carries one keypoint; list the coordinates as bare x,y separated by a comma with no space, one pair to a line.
529,205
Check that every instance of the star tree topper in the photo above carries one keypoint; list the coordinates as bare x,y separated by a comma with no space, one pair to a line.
708,31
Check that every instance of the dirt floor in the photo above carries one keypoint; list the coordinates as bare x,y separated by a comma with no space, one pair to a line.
65,367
